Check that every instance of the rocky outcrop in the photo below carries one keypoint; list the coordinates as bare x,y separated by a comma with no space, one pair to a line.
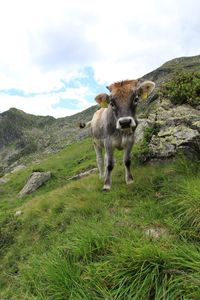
177,130
34,182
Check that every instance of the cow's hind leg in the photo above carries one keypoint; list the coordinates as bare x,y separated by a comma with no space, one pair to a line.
127,163
109,165
99,156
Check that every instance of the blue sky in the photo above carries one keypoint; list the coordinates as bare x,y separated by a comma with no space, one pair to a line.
56,55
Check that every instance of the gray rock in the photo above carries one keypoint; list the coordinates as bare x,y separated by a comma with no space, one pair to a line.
34,182
18,213
83,174
170,139
3,180
18,168
156,232
139,132
179,130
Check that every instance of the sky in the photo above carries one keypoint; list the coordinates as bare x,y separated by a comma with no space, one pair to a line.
57,55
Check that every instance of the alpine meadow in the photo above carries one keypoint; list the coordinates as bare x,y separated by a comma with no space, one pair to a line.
69,240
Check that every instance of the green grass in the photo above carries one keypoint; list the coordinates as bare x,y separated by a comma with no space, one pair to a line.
76,242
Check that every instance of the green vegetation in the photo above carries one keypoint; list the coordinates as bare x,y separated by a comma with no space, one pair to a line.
183,87
75,242
141,151
190,63
182,64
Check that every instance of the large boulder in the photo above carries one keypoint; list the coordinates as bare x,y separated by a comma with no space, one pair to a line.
177,130
35,180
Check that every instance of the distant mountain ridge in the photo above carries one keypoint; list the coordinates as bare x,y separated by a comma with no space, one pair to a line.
23,134
164,72
28,136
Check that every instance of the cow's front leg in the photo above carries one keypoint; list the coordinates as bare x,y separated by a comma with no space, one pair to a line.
109,165
127,163
99,156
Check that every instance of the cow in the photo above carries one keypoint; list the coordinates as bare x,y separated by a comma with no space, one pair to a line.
114,124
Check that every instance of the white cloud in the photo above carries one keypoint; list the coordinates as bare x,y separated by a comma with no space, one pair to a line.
47,104
44,43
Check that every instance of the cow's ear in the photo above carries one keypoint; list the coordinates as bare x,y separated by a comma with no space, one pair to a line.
102,99
145,89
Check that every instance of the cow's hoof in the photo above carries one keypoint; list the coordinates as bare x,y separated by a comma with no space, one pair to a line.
106,188
130,181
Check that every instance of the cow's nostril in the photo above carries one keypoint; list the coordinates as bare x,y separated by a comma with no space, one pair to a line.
126,123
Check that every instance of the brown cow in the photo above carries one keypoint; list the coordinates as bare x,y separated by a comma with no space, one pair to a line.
114,126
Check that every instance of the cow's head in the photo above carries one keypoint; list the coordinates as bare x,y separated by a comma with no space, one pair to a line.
124,99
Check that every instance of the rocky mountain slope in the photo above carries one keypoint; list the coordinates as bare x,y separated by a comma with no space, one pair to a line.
24,137
165,72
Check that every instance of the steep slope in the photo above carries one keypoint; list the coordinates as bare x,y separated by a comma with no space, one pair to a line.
166,71
72,242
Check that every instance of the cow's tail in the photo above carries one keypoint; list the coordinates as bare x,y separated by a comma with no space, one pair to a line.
84,125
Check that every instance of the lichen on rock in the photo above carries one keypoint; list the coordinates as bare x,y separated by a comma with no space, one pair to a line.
178,129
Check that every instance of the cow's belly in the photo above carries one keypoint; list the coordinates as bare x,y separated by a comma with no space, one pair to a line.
121,142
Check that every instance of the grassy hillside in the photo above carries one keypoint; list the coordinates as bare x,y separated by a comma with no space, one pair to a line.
25,137
75,242
167,70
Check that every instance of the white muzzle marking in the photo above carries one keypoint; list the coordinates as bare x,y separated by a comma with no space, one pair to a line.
124,119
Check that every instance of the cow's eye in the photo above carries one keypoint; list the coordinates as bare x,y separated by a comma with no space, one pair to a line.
135,100
112,104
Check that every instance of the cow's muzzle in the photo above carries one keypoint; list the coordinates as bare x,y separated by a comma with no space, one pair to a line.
125,122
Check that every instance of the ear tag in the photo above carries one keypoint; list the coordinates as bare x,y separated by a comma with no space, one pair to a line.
144,96
104,104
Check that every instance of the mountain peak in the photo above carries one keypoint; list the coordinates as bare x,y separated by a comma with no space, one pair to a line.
166,71
13,110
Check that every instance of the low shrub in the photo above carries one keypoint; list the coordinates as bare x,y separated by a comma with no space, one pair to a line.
183,88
